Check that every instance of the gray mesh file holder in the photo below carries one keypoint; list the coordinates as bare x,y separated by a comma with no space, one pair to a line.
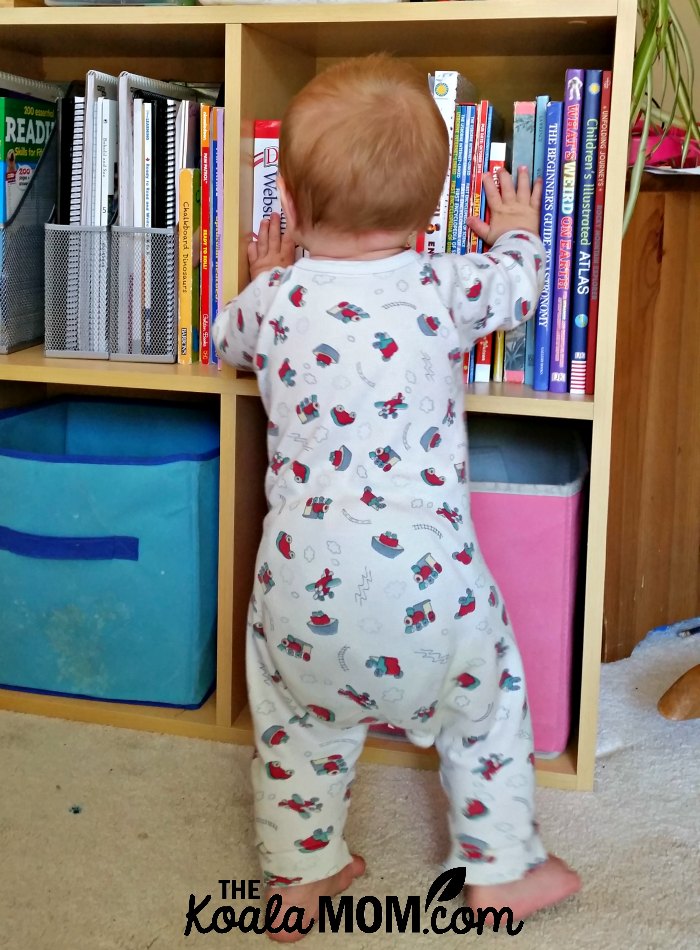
77,291
143,295
22,258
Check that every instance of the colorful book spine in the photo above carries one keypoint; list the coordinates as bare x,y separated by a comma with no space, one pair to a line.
217,218
206,243
559,355
537,172
497,161
541,103
479,164
188,273
585,203
482,359
598,228
448,88
467,172
523,136
523,154
266,198
548,222
455,171
481,356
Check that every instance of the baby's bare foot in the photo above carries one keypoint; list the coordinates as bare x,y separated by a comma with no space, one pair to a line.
545,885
307,896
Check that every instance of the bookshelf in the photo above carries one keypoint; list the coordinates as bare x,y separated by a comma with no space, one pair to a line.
511,49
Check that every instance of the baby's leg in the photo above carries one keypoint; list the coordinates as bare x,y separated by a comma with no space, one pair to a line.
301,773
488,771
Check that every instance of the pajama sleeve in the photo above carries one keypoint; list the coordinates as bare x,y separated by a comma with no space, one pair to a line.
237,326
493,291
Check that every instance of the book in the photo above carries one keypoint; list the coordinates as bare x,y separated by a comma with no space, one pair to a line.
548,221
25,129
585,200
523,154
266,199
108,161
467,169
451,239
217,213
148,149
26,126
541,103
448,88
598,215
98,87
537,172
559,353
65,126
76,156
498,159
205,241
523,136
482,359
488,125
188,266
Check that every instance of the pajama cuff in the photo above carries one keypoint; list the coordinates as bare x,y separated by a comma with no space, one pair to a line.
295,867
508,864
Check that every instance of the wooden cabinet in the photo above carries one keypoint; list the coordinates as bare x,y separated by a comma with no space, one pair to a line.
653,560
512,49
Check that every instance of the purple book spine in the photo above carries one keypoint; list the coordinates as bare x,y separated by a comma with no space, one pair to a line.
559,358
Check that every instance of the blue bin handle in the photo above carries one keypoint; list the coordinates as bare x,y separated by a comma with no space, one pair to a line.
110,548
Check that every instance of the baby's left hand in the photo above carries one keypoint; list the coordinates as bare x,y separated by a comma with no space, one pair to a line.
272,248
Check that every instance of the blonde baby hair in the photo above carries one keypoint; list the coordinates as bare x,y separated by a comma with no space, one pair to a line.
363,147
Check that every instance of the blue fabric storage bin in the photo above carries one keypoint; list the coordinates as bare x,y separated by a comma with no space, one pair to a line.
108,550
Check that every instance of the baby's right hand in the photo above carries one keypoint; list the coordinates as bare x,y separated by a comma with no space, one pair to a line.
509,210
272,248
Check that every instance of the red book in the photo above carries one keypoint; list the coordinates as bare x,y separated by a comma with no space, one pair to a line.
205,252
493,349
598,213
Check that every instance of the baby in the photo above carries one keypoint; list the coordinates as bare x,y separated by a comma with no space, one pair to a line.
372,602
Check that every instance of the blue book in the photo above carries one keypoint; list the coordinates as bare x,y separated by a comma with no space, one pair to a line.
585,201
537,172
540,122
542,321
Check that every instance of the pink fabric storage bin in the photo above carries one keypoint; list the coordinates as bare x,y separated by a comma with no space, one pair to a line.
526,482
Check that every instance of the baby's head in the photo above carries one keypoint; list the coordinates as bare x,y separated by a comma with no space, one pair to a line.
364,148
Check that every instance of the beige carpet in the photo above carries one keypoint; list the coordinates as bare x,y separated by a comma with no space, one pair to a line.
105,833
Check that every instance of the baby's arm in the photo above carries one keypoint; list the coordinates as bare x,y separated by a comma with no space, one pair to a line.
235,331
499,289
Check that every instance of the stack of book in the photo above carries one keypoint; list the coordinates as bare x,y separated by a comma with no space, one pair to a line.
139,202
564,143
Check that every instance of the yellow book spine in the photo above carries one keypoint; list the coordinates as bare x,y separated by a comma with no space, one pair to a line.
499,348
188,266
